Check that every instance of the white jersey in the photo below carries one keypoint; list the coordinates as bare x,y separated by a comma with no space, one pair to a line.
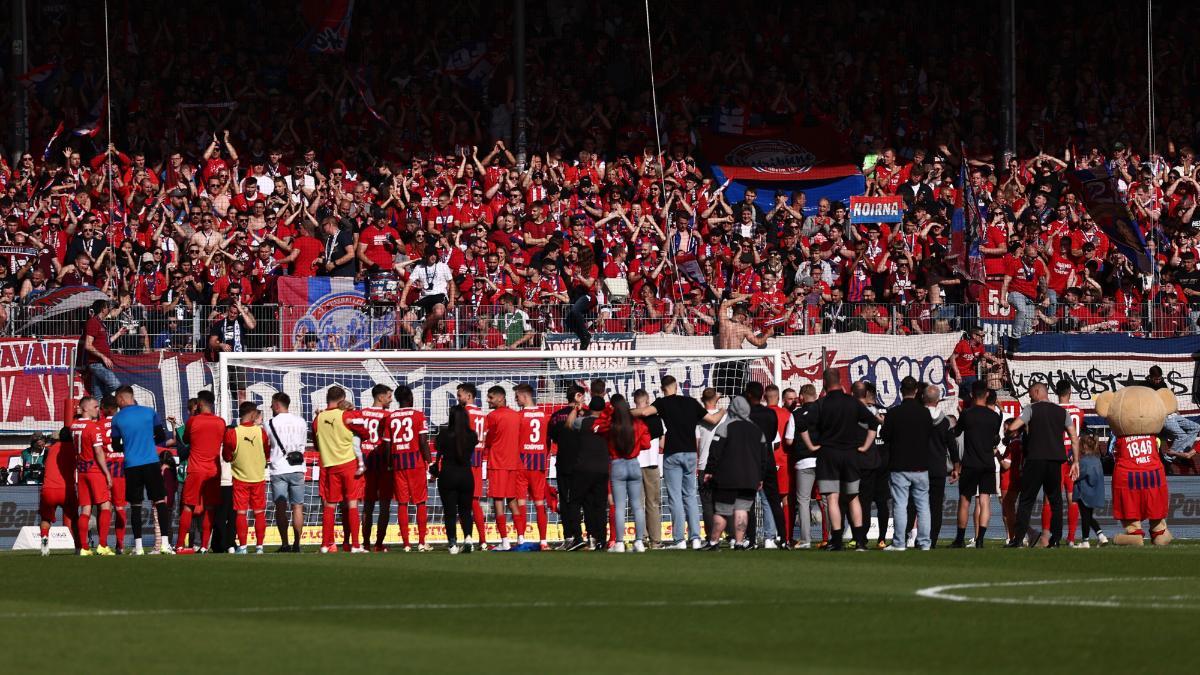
433,279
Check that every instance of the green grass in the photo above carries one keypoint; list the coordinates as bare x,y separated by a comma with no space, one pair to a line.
788,612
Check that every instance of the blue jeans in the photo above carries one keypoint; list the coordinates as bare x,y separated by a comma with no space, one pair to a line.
902,483
1024,309
627,491
1052,296
768,521
1183,432
103,380
683,500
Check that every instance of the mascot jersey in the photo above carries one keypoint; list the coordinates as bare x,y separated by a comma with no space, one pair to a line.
1137,453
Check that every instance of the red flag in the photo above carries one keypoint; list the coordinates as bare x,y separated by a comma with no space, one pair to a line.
53,137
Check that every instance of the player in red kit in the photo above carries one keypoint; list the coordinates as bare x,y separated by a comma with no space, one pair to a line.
93,483
408,443
116,468
204,434
535,462
58,483
783,470
466,394
371,426
502,452
1063,389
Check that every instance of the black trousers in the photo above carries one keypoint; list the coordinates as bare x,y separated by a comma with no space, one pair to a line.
1046,476
707,508
590,490
874,488
456,485
937,507
770,489
224,522
570,513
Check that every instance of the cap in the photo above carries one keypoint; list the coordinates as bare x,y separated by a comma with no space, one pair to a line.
38,436
1118,146
147,257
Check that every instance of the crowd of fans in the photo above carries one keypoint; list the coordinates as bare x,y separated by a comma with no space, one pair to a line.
229,167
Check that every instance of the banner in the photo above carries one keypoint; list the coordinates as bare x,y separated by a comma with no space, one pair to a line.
329,25
328,309
165,380
996,321
790,153
1099,192
876,209
35,379
1095,364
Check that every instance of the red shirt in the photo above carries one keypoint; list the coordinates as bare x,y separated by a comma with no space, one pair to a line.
965,356
503,439
1025,275
310,249
404,430
533,439
1137,453
59,464
1060,273
381,244
88,435
369,425
95,330
204,433
1075,415
479,426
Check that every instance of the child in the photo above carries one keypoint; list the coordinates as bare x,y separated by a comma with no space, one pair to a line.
1089,488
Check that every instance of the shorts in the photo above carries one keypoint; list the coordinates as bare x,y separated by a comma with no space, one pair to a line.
837,471
202,489
92,489
1139,495
378,485
1067,484
116,468
288,487
502,483
531,484
249,496
428,302
52,500
976,481
727,501
477,474
410,486
338,483
144,482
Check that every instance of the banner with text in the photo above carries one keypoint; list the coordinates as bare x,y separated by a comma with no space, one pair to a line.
876,209
35,378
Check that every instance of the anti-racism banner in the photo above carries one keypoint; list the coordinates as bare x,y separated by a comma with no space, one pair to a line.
35,380
876,209
789,153
1094,364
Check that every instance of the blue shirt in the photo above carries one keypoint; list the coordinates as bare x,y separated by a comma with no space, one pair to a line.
135,427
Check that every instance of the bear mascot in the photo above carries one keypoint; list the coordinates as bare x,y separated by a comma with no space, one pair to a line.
1139,482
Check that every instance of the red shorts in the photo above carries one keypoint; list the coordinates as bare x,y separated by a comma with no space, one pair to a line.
116,467
410,486
338,483
477,472
378,485
249,496
502,483
202,489
1067,484
783,472
92,489
1139,495
52,500
531,484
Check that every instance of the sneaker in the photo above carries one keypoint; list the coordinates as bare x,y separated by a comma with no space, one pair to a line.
958,543
185,550
860,547
467,548
202,551
85,552
712,546
893,549
424,548
882,544
232,549
359,549
329,549
260,550
453,550
45,546
296,548
835,547
770,545
286,548
543,546
802,546
407,548
576,545
911,540
118,550
1082,544
1101,539
165,550
639,547
241,550
520,539
380,548
504,546
978,543
135,551
680,545
697,544
104,550
617,547
1014,543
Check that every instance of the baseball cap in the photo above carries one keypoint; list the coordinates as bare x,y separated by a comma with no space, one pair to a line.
147,257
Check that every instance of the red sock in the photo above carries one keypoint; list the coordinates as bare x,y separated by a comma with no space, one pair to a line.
791,520
185,526
613,537
45,531
402,521
520,519
206,526
480,521
69,523
1072,521
542,521
346,518
243,524
1045,516
327,515
119,512
355,527
501,523
260,527
102,526
422,521
81,535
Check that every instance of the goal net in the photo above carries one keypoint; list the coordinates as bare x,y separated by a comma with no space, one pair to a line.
434,377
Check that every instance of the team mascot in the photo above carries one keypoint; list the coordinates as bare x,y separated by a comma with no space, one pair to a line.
1139,482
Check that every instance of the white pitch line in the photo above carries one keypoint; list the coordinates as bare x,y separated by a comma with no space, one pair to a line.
944,593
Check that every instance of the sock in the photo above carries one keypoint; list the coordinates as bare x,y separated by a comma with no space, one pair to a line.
243,525
185,526
612,527
260,527
860,534
102,525
520,520
385,515
543,522
81,525
355,528
120,518
1045,515
45,531
501,524
206,526
979,537
402,521
1072,520
960,535
135,514
835,536
327,515
422,522
164,518
346,518
480,523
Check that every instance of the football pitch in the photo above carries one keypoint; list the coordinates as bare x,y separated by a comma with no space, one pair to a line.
961,611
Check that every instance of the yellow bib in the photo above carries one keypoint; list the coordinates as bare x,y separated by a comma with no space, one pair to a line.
334,438
249,461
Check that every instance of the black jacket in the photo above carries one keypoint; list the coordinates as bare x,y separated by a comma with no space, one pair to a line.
837,418
736,460
906,430
941,444
566,440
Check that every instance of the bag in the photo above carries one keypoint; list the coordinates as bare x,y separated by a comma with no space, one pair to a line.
295,457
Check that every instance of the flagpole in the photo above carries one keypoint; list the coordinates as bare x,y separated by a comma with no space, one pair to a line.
108,156
19,64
